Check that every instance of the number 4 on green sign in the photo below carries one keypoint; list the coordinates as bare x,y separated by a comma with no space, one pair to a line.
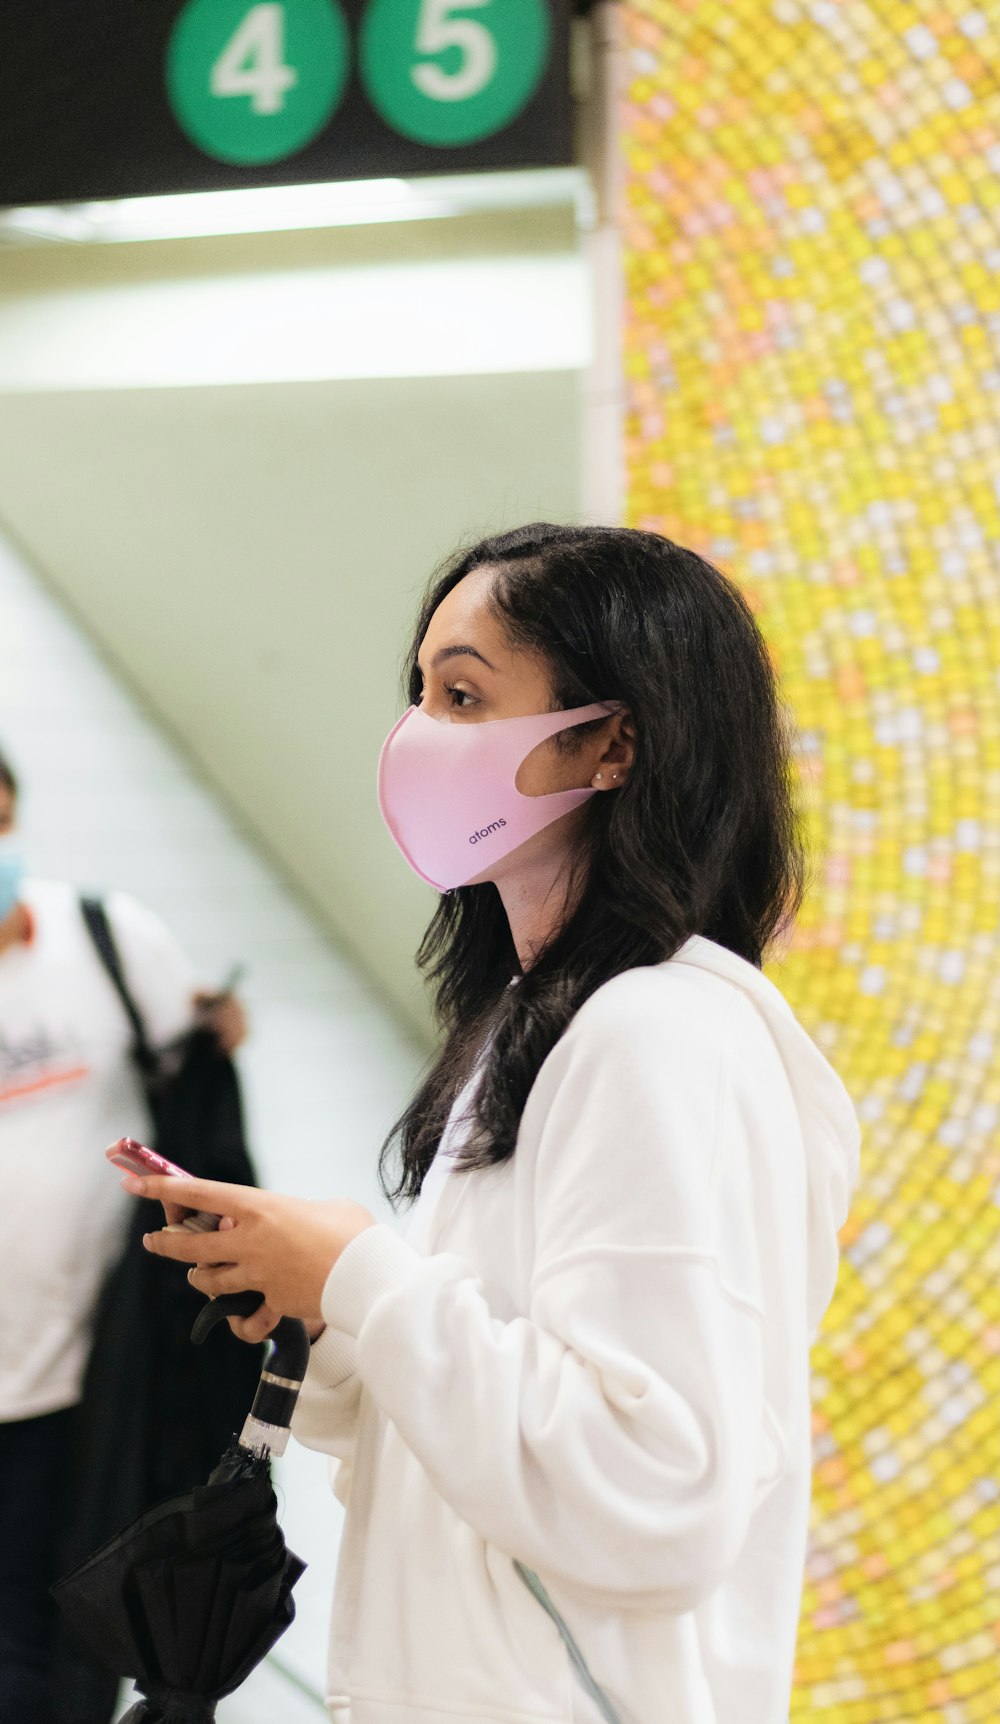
253,62
446,78
255,83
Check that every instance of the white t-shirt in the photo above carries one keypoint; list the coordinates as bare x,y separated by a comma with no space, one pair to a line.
450,1146
67,1090
453,1140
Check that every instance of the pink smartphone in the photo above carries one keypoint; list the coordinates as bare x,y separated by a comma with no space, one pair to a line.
135,1157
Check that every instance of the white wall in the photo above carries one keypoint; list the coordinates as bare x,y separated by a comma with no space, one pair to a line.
106,801
249,554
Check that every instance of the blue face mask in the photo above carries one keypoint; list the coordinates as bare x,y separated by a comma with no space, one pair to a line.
11,873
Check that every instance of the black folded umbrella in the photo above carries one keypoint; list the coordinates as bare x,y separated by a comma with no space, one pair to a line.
190,1597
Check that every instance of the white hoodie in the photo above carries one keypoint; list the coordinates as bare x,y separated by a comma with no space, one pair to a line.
594,1358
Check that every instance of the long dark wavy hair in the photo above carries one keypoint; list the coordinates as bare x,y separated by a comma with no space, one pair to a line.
701,839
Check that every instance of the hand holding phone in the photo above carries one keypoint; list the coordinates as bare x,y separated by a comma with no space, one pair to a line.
135,1157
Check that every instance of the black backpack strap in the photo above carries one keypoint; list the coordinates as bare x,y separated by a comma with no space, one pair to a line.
99,928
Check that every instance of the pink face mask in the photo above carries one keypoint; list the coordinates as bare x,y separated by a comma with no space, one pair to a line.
447,790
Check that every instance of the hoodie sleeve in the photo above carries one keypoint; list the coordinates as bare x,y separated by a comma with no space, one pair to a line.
613,1436
326,1414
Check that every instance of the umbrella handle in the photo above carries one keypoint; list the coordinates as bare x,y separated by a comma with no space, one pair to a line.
267,1427
227,1305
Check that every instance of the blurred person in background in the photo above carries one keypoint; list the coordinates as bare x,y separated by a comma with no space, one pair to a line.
68,1086
571,1407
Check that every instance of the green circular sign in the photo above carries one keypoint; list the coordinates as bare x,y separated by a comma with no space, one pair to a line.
450,72
255,83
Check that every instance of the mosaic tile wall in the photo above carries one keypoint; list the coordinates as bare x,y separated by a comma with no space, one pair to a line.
813,367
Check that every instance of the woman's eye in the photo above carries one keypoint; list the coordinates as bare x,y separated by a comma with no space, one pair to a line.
458,696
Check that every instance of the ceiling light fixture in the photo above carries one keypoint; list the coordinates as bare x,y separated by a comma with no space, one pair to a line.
278,209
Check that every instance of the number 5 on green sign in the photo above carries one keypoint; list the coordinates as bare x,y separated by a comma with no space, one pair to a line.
438,30
256,83
451,72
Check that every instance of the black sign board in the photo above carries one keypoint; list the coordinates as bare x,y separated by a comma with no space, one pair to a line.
126,98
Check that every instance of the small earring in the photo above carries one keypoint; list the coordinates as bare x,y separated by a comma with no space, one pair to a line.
614,775
598,775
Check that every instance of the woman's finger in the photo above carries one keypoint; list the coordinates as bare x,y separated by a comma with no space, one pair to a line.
182,1246
193,1275
210,1194
226,1278
257,1327
174,1214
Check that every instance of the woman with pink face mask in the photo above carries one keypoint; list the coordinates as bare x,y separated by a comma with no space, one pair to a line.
569,1407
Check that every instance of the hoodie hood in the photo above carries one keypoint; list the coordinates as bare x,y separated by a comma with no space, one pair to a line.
830,1131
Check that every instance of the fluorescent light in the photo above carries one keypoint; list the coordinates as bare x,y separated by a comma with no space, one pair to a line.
450,317
276,209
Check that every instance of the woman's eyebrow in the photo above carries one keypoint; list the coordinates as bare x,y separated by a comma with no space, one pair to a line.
448,652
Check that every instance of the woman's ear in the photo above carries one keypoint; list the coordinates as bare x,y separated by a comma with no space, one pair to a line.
617,755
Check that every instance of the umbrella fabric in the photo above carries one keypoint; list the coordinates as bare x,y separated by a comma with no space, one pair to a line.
190,1598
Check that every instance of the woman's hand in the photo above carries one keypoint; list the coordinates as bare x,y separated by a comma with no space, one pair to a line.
284,1247
225,1016
259,1325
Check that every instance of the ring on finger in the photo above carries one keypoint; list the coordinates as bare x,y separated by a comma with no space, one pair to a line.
191,1278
